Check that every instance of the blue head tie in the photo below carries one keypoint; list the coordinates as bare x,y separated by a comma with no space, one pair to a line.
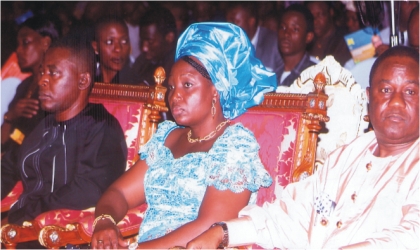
229,57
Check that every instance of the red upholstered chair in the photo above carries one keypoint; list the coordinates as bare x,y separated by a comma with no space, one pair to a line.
137,108
286,127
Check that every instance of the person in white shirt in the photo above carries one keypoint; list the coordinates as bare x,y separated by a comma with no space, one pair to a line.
367,194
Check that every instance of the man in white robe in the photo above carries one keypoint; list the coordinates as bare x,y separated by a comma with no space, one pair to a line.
367,193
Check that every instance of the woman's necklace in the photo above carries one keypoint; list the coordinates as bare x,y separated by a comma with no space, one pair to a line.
209,136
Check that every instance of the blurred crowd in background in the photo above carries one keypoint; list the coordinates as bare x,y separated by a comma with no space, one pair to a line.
72,15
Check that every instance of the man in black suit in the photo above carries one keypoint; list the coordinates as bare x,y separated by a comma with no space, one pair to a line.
244,15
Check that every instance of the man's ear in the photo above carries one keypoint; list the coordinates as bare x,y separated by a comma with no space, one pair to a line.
170,37
84,80
95,46
46,43
367,93
309,37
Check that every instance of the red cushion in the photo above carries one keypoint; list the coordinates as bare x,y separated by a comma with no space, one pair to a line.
12,197
276,132
62,217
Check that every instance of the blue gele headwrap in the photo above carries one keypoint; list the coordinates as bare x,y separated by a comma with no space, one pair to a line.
229,57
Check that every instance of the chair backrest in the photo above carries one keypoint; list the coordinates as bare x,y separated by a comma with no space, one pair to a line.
347,105
286,127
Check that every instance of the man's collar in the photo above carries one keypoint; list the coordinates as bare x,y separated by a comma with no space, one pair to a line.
254,40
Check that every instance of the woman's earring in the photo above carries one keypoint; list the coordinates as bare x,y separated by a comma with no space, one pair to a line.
213,107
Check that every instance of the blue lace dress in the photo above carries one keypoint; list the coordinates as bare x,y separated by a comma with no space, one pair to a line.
175,188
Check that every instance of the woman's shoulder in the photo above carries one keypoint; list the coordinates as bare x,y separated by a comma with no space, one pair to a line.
158,138
236,137
165,127
234,157
162,131
238,131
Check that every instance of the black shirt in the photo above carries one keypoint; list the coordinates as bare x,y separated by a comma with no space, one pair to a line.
65,164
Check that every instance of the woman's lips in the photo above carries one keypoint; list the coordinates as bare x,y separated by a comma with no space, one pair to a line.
177,110
117,60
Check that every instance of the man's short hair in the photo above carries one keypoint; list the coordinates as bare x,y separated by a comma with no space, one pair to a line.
302,9
397,51
44,26
162,18
250,7
81,52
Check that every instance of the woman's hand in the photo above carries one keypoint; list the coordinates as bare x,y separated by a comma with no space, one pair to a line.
107,236
25,107
210,239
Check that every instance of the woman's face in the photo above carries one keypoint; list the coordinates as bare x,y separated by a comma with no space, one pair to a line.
30,50
190,94
352,22
113,46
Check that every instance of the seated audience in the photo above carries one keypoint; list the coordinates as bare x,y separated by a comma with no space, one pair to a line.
112,46
296,31
244,15
328,39
157,43
405,9
180,12
352,18
75,152
367,193
34,38
132,11
413,29
202,168
270,21
204,11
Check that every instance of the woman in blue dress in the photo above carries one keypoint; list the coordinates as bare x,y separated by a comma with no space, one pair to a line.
203,168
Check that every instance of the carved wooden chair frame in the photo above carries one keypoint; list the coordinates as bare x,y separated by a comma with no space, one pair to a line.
313,111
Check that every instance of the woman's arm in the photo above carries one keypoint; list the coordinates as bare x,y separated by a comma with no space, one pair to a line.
216,206
125,193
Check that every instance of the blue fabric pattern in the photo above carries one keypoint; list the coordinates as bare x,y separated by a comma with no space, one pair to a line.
229,57
175,188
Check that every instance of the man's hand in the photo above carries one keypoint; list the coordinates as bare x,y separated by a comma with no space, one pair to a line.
210,239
